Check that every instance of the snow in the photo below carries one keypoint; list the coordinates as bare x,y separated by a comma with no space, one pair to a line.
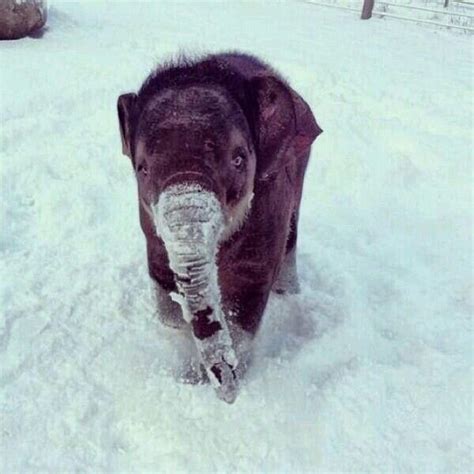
368,369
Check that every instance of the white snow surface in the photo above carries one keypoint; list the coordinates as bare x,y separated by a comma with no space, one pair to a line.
368,369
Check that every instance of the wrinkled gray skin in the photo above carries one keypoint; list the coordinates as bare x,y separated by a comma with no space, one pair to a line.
219,181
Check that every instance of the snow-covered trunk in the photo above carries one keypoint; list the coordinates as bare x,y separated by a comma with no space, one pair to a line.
190,220
18,18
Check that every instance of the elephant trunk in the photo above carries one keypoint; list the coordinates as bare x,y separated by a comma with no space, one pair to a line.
190,220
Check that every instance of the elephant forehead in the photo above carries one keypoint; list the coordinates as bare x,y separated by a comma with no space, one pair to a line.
192,112
201,102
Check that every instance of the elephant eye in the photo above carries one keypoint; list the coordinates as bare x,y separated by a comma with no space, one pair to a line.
142,169
238,159
209,145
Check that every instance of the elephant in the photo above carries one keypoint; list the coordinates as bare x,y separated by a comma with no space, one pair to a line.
219,146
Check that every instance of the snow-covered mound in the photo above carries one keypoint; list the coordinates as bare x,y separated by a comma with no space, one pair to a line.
367,370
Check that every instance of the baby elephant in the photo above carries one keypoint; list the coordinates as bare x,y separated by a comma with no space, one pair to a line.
219,147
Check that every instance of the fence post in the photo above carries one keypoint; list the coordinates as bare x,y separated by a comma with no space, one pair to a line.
367,9
446,3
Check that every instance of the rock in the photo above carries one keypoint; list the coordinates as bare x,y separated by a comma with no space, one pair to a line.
19,18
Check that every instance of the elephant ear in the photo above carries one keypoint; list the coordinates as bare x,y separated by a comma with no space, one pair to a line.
285,127
125,108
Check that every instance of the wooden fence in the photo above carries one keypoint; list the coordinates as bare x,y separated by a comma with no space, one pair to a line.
447,10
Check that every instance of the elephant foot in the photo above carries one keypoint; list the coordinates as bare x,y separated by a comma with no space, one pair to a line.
194,373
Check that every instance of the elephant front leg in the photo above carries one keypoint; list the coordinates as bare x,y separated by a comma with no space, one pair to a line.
168,311
244,307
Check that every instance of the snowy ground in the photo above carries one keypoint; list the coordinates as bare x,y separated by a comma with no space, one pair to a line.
367,370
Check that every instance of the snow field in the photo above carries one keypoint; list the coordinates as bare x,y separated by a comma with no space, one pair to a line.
369,369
